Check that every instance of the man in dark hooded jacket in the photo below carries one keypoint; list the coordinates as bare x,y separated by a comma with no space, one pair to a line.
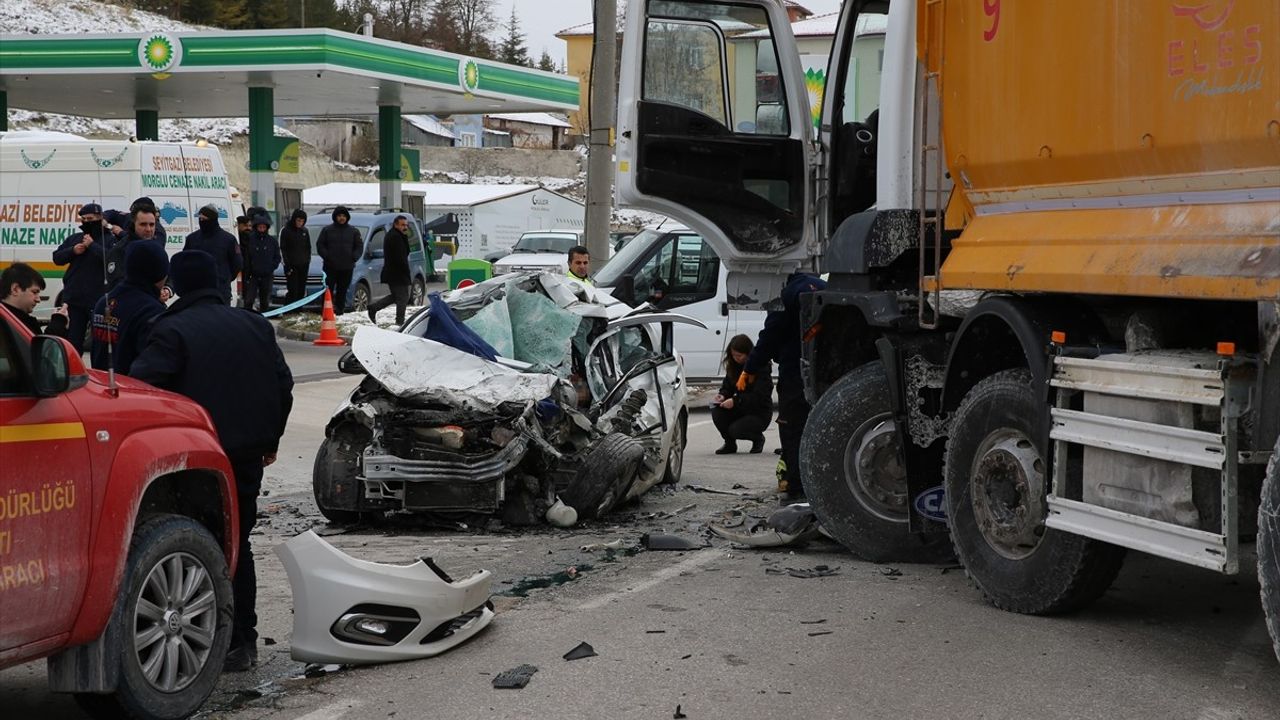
780,341
143,226
395,270
295,246
201,348
82,287
122,319
340,246
260,264
222,245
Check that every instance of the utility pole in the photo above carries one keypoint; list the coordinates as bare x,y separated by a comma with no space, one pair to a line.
604,91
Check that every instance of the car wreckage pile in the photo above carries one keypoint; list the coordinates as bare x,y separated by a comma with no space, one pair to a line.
528,397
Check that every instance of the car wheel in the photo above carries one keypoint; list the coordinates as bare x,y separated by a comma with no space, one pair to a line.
675,458
360,297
171,624
418,292
996,485
604,477
853,475
334,484
1269,547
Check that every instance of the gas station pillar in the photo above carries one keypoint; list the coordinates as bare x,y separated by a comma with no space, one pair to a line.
389,177
262,163
146,124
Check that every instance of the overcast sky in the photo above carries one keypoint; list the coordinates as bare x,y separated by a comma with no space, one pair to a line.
541,22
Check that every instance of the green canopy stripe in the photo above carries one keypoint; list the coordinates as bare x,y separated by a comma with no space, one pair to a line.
497,79
61,54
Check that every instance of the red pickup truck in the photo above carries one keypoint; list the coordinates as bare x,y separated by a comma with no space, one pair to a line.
117,533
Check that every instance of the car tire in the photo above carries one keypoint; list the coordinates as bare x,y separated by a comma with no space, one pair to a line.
361,297
196,619
418,292
996,484
333,458
604,477
675,457
852,475
1269,547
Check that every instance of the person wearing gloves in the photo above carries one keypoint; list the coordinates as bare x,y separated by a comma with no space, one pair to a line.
260,264
340,246
222,245
82,287
295,246
742,414
122,318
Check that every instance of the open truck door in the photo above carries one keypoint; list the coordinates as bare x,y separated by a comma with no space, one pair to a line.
715,130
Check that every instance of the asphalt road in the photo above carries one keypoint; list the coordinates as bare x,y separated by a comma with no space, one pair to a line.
713,632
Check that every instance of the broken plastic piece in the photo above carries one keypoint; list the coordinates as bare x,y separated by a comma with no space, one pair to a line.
679,715
515,678
583,650
611,545
664,541
561,515
791,524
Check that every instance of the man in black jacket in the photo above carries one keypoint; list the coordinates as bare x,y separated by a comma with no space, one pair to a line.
222,245
122,318
144,224
295,246
20,287
260,264
82,280
201,348
340,246
395,270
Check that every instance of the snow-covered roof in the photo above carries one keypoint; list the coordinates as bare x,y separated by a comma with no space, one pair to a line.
45,17
357,194
431,125
532,118
826,25
583,29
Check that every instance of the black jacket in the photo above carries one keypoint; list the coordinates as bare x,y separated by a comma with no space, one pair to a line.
116,248
133,307
82,281
57,324
264,255
781,337
295,245
227,360
758,398
225,249
395,259
340,246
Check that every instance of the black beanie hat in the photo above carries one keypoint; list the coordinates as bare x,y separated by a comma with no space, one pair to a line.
192,270
261,220
341,210
145,262
299,214
141,203
209,212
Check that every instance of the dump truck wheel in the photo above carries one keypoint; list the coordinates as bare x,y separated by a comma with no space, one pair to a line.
853,477
996,487
604,477
1269,547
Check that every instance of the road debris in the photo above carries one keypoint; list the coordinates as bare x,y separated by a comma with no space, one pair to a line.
666,541
597,547
678,715
716,491
583,650
805,573
793,524
515,678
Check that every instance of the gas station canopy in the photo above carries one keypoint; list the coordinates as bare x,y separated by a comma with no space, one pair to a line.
312,72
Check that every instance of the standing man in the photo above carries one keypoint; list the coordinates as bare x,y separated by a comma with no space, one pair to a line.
340,246
242,234
395,270
82,281
202,349
21,285
780,341
295,246
579,264
260,264
143,229
222,245
122,318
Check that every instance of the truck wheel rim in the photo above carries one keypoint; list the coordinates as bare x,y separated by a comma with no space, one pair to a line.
1008,493
174,622
873,471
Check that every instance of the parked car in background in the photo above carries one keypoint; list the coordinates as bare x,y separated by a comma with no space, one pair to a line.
366,278
540,250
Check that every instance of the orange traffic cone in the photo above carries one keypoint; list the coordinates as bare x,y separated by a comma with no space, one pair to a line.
328,324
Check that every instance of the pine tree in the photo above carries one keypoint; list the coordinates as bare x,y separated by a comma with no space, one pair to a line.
512,48
545,62
200,12
267,14
233,15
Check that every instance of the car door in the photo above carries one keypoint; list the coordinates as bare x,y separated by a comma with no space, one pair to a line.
45,497
714,129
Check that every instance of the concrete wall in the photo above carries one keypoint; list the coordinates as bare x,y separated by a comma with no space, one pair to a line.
315,168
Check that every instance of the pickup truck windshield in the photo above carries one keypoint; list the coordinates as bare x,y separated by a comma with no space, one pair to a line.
625,259
545,242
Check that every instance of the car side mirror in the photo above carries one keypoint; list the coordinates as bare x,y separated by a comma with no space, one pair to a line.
626,290
58,368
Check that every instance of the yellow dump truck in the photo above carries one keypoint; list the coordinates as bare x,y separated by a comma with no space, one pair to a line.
1051,238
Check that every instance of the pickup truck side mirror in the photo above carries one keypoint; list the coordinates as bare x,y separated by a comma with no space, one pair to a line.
58,367
626,290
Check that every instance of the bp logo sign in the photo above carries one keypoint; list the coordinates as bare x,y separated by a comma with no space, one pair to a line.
159,52
469,76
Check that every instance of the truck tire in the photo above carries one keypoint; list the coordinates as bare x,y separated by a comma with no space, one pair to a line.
604,477
182,625
334,483
852,474
675,457
1269,547
996,485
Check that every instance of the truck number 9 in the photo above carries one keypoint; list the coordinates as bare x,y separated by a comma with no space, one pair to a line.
992,9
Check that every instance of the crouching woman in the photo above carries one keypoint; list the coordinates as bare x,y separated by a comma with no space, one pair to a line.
742,414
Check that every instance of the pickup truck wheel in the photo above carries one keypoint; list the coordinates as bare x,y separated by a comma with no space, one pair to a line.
418,292
1269,547
171,624
604,477
333,481
996,485
360,297
675,457
852,473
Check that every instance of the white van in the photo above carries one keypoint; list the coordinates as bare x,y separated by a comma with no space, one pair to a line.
675,269
45,178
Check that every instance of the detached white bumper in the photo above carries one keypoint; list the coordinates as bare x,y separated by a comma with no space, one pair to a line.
357,612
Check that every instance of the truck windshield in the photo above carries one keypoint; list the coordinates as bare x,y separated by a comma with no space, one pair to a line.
618,265
545,242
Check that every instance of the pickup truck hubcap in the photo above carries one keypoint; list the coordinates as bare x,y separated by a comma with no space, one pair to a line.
872,469
174,622
1008,494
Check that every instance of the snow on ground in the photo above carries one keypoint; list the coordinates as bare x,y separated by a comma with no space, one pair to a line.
218,131
48,17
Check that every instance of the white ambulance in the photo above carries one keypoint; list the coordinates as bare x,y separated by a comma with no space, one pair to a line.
45,177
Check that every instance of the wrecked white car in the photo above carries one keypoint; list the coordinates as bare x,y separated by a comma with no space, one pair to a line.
497,399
